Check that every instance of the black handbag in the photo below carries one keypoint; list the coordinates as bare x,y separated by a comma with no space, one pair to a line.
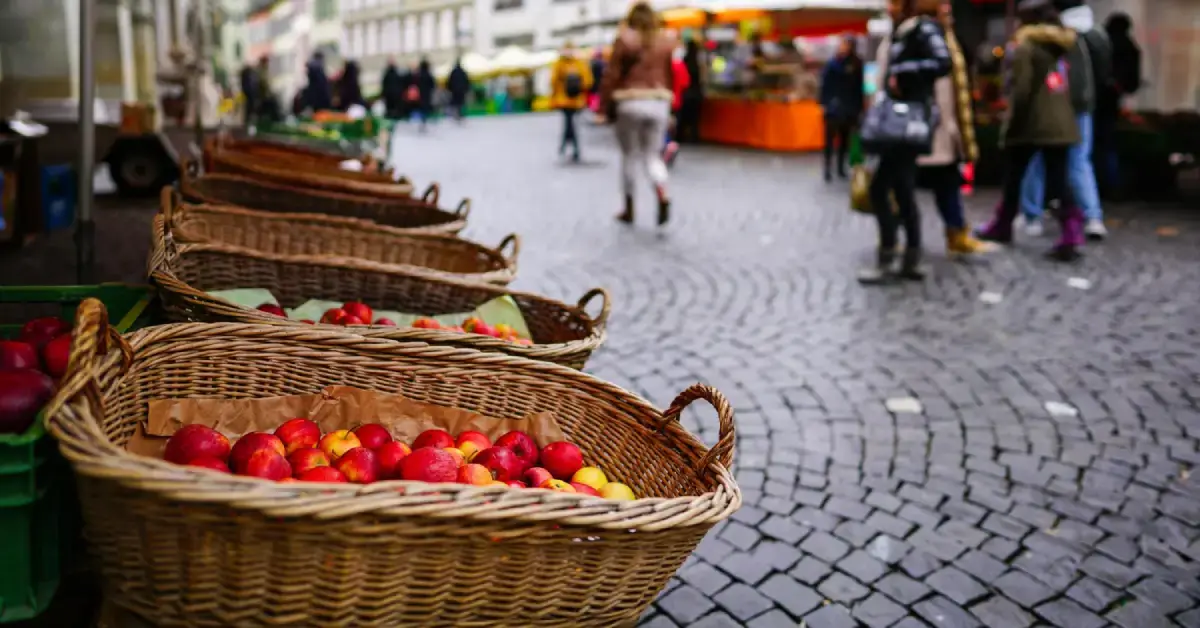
891,123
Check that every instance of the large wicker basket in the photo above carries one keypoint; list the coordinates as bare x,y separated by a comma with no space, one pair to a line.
404,213
319,235
185,272
182,546
303,173
308,157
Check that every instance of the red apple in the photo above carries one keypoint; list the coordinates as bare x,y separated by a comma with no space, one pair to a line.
359,309
266,463
23,393
385,322
440,439
322,474
216,464
336,443
251,443
303,460
271,308
483,329
196,441
535,476
426,323
501,461
308,321
334,316
359,465
469,324
585,489
476,474
298,433
372,435
56,355
516,484
353,320
478,439
15,354
521,444
39,331
562,459
429,464
390,456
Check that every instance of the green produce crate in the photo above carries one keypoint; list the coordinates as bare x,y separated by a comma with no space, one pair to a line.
39,517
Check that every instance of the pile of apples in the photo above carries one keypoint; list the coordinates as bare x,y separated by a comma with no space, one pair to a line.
29,367
474,325
358,313
297,451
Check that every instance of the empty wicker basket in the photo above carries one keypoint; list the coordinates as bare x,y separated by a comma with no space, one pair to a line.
318,235
182,546
410,213
302,172
186,272
310,157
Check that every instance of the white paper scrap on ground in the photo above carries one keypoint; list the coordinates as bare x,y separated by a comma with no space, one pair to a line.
1058,408
1079,283
353,165
991,298
903,405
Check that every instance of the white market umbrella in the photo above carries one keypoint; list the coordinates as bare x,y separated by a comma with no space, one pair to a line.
511,59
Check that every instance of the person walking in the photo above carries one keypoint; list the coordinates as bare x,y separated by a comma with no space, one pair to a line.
1089,65
842,98
570,80
248,79
680,81
916,58
1125,80
687,123
458,84
349,89
1040,118
318,95
638,86
597,67
391,88
424,84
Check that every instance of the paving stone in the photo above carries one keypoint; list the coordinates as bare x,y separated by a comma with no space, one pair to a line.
831,616
918,564
878,611
842,588
825,547
779,555
1092,594
1108,571
940,611
855,533
1022,589
1005,526
1000,612
1160,595
742,601
749,515
685,604
887,549
796,598
810,570
888,524
657,621
1064,612
901,588
981,566
1138,615
783,528
1000,548
813,518
956,585
772,619
864,568
704,577
749,568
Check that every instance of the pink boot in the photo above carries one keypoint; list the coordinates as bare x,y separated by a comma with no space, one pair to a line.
1071,237
999,229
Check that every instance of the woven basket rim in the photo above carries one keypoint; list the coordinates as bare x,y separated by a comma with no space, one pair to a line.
217,144
336,180
71,418
160,274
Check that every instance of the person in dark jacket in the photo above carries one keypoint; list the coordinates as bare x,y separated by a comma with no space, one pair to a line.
318,94
1040,118
425,85
842,100
248,78
349,89
1089,67
458,84
391,88
687,127
917,58
1125,80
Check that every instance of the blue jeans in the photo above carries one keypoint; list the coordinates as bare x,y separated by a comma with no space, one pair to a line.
1080,176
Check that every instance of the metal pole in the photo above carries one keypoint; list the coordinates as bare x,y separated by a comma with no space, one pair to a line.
200,60
85,228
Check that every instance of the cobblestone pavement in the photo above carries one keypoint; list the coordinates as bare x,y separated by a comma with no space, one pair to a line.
1043,479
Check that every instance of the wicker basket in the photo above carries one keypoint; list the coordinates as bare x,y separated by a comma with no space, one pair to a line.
303,173
417,214
184,273
182,546
318,235
309,157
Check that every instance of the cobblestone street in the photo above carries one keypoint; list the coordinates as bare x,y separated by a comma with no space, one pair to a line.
912,455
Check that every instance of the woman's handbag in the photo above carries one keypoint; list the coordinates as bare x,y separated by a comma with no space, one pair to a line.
892,123
860,188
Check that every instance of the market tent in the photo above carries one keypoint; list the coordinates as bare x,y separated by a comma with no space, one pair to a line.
475,64
545,58
511,59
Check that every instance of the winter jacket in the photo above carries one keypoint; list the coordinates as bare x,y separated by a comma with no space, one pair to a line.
917,57
458,84
392,88
1039,99
842,94
563,69
318,93
680,82
1089,62
638,70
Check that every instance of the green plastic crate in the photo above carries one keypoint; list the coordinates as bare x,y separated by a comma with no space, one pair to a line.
39,518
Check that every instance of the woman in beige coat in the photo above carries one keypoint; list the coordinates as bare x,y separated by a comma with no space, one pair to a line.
953,141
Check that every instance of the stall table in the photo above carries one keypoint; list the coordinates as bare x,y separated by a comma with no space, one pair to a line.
764,124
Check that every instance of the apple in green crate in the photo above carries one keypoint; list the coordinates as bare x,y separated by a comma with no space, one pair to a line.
15,354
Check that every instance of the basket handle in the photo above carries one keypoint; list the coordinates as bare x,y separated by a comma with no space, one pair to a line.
463,210
168,203
722,452
600,319
90,342
431,195
515,241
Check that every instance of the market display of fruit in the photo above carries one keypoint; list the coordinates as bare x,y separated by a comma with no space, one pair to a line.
298,451
30,365
358,313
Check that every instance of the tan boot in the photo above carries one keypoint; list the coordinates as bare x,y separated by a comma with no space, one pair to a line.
961,242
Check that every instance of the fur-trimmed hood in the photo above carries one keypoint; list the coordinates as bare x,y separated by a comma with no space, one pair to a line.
1047,35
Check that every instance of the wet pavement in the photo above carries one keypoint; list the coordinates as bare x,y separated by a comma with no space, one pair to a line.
1009,443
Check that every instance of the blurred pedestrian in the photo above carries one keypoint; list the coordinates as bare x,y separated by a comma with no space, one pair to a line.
349,89
687,127
1125,80
391,88
638,84
597,67
318,95
425,86
459,85
570,80
1089,68
680,79
1041,118
842,97
915,59
248,79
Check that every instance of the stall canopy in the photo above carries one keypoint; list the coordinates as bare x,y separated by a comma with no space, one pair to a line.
789,18
475,64
512,59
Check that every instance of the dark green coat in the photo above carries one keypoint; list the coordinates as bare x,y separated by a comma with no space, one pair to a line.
1040,112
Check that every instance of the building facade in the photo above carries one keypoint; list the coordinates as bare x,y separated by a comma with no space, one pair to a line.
545,24
377,31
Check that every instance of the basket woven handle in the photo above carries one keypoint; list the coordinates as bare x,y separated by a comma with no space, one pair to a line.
432,194
722,452
90,342
515,241
600,319
169,201
463,210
